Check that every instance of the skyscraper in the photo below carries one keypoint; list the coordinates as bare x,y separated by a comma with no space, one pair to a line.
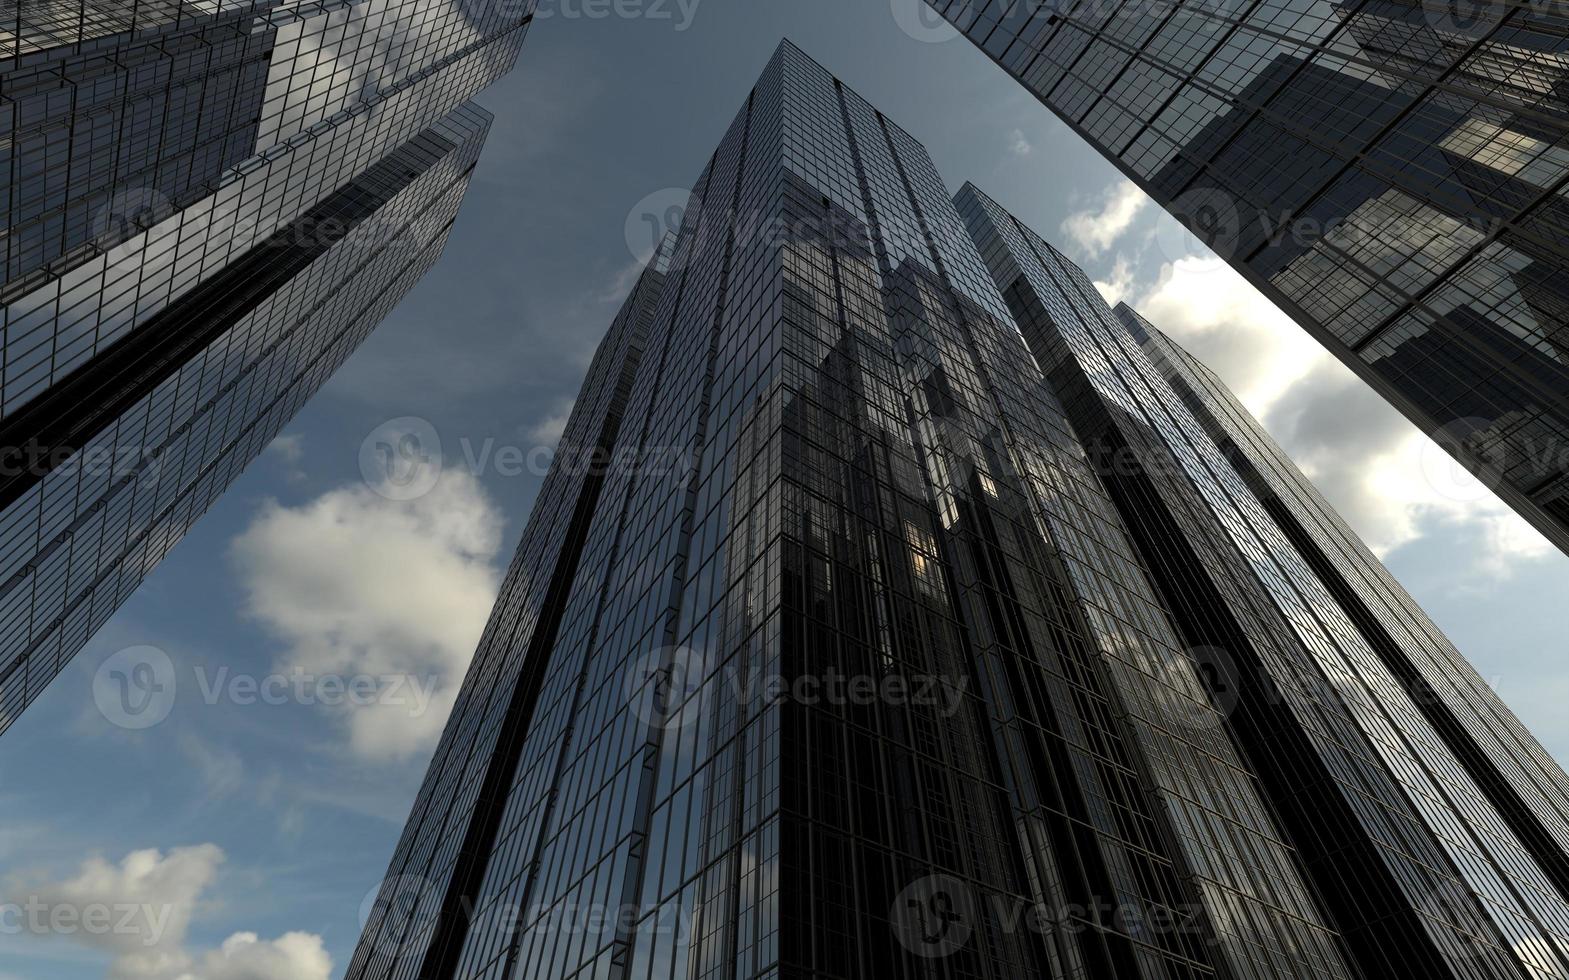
894,608
1433,825
1392,174
210,204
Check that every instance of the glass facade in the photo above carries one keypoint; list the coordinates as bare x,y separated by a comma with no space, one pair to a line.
208,206
897,608
1393,174
1432,824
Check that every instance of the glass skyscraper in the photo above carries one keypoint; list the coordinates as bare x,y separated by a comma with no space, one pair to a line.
1431,823
895,608
208,205
1394,174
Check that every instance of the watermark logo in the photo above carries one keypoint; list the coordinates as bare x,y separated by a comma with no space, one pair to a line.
934,917
401,459
401,907
128,213
96,459
660,690
1208,215
119,924
1451,468
138,688
1217,674
302,687
656,216
135,688
662,682
482,13
1468,18
937,916
678,13
664,213
921,22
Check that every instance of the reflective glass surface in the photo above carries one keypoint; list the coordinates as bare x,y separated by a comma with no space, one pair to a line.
827,461
209,204
1393,174
1428,819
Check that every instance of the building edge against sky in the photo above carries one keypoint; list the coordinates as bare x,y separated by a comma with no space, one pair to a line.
1392,174
1342,692
1192,718
199,231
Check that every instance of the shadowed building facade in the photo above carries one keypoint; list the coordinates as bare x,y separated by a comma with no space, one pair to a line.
208,205
1431,823
1392,174
841,661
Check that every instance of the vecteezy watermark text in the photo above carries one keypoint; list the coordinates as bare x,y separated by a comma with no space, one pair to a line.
680,13
39,916
34,458
304,687
674,686
676,209
922,21
937,916
139,686
402,459
396,910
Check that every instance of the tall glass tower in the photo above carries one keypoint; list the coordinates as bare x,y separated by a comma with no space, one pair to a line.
1394,174
1431,823
209,204
896,608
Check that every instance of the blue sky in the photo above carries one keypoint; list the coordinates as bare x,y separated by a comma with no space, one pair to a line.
271,822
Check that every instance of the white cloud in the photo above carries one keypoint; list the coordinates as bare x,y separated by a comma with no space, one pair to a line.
1019,144
1095,231
619,287
1389,481
290,451
379,58
360,586
289,448
245,956
1212,311
139,912
222,770
548,430
1116,286
146,902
